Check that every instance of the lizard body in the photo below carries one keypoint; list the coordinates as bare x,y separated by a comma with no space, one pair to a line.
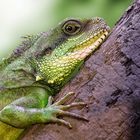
39,69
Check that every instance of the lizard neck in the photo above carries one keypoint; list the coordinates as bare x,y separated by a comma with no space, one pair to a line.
58,71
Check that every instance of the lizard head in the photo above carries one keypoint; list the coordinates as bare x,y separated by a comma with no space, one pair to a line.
82,37
76,40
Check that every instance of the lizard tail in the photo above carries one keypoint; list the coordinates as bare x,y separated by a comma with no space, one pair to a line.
8,132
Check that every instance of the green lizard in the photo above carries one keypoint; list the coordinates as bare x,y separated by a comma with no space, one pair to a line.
39,68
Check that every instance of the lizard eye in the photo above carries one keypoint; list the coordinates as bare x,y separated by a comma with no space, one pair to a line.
71,27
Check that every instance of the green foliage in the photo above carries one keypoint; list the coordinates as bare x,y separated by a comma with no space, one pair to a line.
111,10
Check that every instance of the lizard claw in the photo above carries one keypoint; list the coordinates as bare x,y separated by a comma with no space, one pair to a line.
59,109
50,101
70,114
75,104
65,98
61,121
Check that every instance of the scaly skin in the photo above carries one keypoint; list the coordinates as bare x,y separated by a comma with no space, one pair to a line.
40,68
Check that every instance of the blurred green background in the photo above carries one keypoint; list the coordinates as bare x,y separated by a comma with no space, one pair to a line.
21,17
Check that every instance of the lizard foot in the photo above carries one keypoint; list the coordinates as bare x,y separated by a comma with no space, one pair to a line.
58,109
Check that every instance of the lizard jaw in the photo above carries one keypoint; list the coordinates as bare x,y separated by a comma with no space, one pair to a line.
90,45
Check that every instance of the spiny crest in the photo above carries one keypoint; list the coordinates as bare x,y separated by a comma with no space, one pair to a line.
26,43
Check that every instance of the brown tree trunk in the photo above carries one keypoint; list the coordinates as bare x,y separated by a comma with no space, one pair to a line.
110,83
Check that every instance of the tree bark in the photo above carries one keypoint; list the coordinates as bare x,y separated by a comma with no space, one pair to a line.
110,83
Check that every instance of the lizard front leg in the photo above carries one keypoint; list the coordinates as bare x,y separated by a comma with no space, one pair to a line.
59,109
37,108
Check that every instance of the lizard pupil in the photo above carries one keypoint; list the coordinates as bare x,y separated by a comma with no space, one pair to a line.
69,28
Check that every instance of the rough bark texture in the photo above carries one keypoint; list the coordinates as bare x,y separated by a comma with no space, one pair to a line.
110,83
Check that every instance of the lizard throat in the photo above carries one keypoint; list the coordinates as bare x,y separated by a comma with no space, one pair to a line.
86,47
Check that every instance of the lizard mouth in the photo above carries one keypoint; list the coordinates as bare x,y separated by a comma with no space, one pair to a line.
89,45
